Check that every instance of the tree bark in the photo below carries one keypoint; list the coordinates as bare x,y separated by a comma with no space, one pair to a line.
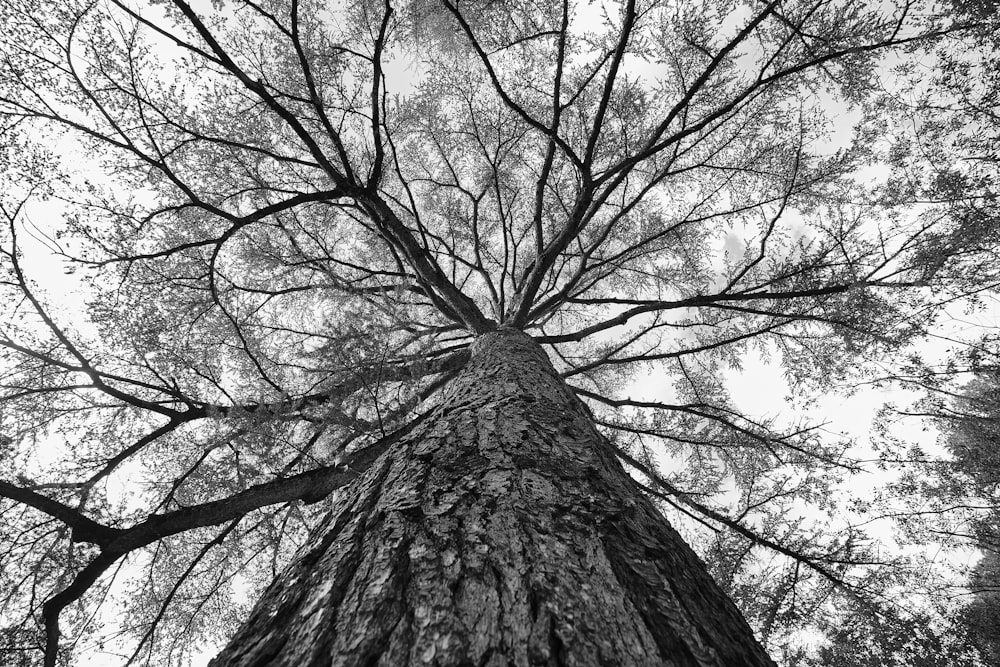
502,531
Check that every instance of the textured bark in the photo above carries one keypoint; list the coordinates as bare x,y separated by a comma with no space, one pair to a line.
502,531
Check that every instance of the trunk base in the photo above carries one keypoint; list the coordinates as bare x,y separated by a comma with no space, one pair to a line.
503,531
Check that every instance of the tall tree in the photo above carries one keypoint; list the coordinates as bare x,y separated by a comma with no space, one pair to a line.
955,500
378,285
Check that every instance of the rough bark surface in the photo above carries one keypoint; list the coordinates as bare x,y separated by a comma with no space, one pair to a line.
502,531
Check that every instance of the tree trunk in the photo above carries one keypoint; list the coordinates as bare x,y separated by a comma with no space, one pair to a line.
502,531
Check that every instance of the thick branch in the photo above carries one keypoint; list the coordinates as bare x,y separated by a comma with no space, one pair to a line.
84,528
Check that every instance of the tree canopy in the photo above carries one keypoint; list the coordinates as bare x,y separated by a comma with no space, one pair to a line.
284,222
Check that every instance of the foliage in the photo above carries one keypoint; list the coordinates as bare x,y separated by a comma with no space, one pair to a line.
962,495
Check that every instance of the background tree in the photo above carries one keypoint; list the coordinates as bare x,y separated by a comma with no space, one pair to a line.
952,501
293,221
941,147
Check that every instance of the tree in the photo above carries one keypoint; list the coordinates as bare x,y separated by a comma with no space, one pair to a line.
374,283
963,493
866,639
